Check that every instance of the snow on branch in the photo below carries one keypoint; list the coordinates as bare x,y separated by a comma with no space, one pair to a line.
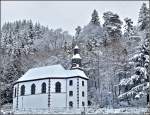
135,92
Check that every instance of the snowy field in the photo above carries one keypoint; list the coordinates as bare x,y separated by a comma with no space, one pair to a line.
90,111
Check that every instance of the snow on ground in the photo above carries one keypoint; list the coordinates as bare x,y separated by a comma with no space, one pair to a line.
90,110
122,110
6,109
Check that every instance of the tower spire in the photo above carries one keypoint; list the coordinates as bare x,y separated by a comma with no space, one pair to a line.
76,58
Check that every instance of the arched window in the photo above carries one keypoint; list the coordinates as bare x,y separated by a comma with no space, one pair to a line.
22,90
82,93
70,82
70,104
33,89
82,83
83,104
70,93
58,87
15,92
43,90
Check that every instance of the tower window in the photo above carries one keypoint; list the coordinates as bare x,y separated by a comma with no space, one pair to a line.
82,83
70,93
82,93
58,87
33,89
43,87
70,82
22,90
70,104
83,104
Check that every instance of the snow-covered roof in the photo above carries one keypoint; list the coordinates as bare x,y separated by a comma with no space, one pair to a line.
76,72
76,47
54,71
76,56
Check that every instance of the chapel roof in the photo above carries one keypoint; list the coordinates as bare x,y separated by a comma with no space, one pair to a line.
53,71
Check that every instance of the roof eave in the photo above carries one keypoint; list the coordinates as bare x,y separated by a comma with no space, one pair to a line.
50,78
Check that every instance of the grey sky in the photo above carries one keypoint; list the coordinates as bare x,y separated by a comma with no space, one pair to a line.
66,14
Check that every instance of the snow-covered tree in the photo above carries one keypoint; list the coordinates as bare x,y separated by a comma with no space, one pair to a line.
38,31
95,18
144,17
136,85
112,25
92,31
19,41
78,30
128,27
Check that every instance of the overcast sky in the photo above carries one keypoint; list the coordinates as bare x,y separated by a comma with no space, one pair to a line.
66,14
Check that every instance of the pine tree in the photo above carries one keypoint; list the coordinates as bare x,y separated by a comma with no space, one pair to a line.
78,30
18,40
144,17
112,25
95,18
37,31
136,85
28,37
92,31
30,33
128,27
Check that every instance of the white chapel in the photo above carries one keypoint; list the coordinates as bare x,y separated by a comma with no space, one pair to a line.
52,87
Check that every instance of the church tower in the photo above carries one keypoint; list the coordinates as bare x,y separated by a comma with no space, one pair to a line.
76,59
